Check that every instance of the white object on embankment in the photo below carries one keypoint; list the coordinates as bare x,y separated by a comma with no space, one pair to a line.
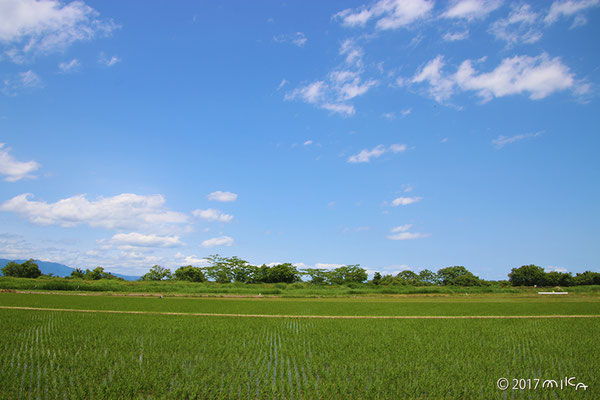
553,292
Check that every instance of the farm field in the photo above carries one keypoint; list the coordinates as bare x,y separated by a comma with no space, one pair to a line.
62,354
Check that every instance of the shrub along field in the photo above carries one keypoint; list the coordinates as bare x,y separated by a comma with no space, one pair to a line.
61,354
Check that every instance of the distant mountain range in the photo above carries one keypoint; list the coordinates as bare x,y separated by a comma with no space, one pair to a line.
57,269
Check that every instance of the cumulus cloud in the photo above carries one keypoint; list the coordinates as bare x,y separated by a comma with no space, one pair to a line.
222,196
471,9
21,81
210,214
502,141
538,77
390,14
218,241
32,27
124,211
328,266
404,201
519,27
71,66
14,170
142,240
297,39
366,155
569,8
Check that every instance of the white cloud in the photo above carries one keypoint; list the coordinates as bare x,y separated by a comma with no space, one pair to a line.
502,141
471,9
307,143
353,52
297,39
569,8
404,201
440,87
108,61
142,240
66,67
401,228
456,36
191,260
222,196
538,76
282,84
339,108
311,93
518,27
365,155
218,241
124,211
211,214
390,14
14,170
328,266
556,269
30,26
408,236
22,80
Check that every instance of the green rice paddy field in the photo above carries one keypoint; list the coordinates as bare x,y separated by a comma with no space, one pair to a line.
63,353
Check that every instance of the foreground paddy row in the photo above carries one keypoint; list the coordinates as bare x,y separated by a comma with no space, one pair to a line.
98,355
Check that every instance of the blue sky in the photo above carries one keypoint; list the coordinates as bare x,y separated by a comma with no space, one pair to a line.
392,134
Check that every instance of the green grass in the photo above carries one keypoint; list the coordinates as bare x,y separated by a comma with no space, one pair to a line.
491,305
278,289
100,356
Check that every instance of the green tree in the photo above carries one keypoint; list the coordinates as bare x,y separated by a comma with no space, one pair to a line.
28,269
408,277
448,276
587,278
286,273
156,273
348,274
318,276
428,277
376,278
77,273
220,270
95,274
189,273
527,275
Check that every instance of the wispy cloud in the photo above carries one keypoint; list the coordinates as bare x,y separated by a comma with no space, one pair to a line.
471,9
222,196
366,155
21,81
502,141
211,214
404,201
108,61
521,26
390,14
14,170
297,39
569,8
402,233
71,66
218,241
135,239
456,36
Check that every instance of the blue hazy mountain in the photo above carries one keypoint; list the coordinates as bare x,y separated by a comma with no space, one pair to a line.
57,269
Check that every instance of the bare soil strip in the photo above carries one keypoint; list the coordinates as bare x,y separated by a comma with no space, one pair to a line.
305,316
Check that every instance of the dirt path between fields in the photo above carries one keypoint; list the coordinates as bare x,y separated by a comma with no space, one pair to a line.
304,316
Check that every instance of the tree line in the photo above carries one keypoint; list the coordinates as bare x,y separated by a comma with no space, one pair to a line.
234,269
